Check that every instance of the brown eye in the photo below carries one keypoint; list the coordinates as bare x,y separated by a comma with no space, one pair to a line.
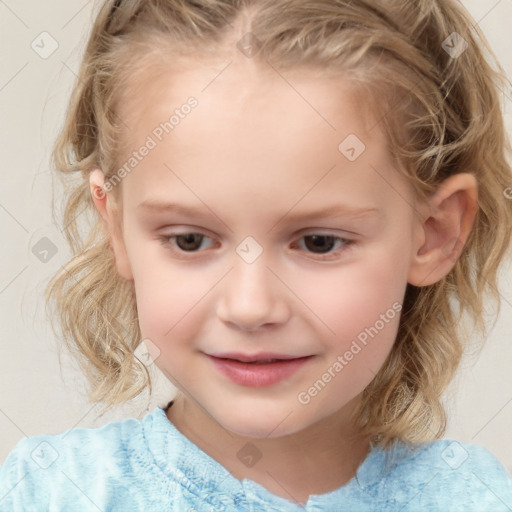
185,242
320,243
189,241
325,246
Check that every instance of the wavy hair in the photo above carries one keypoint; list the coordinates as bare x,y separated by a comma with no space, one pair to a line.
442,115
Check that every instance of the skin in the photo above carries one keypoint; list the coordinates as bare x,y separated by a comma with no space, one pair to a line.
251,155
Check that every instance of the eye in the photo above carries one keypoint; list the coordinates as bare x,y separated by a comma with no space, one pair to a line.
324,243
320,244
186,242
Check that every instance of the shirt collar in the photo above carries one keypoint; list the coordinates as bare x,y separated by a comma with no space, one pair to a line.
184,462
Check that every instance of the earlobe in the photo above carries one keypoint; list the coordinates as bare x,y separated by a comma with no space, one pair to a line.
109,214
444,232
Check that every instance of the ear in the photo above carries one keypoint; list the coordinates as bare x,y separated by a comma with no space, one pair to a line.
441,237
109,211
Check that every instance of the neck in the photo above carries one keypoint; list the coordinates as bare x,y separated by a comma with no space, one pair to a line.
316,460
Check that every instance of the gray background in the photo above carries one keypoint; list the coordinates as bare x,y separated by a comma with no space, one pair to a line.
40,396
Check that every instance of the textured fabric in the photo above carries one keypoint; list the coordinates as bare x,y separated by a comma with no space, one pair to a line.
148,465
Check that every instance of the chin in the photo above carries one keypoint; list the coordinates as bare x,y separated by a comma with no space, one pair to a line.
267,426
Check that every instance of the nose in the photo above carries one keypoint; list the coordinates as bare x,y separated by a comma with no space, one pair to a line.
252,297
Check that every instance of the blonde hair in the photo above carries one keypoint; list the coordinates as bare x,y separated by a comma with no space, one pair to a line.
441,113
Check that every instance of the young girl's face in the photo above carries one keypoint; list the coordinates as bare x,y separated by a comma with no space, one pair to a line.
259,167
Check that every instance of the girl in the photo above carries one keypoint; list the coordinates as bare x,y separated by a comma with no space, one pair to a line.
219,142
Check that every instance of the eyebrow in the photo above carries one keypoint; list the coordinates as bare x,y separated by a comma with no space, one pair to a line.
334,211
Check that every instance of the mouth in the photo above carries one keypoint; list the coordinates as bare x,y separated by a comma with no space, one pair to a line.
257,370
261,358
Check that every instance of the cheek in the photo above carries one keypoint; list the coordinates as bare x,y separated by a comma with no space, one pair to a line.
354,296
168,302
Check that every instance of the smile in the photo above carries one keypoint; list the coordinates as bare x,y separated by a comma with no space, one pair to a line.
258,373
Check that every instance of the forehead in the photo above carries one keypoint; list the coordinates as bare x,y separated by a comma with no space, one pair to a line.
253,130
242,92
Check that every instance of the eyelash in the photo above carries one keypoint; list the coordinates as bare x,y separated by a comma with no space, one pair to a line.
347,244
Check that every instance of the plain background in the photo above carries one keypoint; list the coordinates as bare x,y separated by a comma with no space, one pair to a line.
37,394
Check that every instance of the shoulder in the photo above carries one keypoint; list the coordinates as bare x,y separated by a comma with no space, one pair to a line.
446,474
75,465
81,444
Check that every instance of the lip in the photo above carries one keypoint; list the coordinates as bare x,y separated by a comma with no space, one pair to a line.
254,374
250,358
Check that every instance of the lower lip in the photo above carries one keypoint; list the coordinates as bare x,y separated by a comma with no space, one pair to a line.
258,375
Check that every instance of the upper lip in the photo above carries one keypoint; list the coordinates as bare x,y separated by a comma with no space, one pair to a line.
250,358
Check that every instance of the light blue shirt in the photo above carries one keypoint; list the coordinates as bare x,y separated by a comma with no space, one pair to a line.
148,465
